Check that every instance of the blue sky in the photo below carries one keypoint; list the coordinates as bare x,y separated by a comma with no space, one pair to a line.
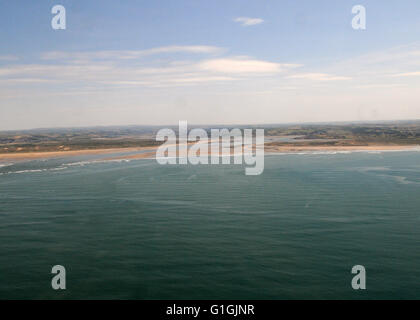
235,61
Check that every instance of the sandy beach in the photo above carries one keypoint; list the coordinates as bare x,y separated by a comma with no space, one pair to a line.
72,153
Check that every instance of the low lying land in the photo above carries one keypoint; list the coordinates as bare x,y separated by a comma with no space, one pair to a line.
396,133
48,143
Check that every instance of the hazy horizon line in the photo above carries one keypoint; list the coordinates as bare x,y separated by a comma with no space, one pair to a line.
215,125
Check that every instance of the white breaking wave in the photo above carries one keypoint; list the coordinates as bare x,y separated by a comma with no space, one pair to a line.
84,163
2,165
414,149
34,170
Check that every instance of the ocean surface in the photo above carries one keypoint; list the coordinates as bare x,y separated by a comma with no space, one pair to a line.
140,230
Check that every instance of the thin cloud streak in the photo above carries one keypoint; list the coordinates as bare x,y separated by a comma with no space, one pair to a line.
244,66
246,21
129,54
150,73
318,77
407,74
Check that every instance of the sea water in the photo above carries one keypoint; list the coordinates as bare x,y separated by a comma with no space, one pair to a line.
140,230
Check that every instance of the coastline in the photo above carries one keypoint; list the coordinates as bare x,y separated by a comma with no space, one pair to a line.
292,149
71,153
145,155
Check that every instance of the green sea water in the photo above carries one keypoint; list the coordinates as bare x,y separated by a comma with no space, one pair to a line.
140,230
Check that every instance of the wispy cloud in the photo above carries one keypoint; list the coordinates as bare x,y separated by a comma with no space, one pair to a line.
150,81
407,74
318,77
112,68
128,54
243,66
395,60
246,21
202,64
